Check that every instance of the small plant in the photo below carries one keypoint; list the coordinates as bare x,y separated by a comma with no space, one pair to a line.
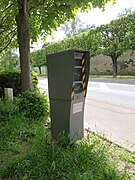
33,104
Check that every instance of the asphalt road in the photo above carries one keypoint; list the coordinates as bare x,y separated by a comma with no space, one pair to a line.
115,93
114,80
109,109
109,90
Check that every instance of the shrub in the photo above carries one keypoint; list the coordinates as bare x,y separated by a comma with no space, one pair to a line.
33,104
8,110
12,79
34,79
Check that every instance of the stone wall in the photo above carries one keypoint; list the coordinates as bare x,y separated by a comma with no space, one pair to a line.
103,64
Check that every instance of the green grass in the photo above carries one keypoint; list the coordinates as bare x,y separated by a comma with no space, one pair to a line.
132,77
110,76
28,152
43,73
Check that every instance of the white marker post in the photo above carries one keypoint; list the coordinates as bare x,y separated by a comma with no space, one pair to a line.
8,92
0,93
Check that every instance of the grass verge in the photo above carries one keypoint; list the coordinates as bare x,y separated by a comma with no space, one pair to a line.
28,152
110,76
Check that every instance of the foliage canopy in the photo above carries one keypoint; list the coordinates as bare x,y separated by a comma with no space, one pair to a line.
118,37
110,39
25,20
44,16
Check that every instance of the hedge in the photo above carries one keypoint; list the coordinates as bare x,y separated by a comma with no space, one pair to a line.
12,79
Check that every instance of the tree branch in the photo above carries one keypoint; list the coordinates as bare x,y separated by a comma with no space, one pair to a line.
9,40
7,7
14,30
3,20
37,6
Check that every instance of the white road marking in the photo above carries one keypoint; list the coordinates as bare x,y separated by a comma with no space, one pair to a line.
104,86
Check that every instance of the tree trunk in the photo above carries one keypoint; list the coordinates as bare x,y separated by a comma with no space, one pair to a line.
114,60
23,29
40,72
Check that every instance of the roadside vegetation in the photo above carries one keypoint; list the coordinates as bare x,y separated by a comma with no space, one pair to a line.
112,40
28,152
110,76
11,78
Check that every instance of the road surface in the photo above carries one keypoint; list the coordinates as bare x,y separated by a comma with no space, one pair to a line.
115,93
109,109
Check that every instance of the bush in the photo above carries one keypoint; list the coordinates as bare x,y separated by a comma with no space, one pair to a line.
12,79
34,79
8,110
33,104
